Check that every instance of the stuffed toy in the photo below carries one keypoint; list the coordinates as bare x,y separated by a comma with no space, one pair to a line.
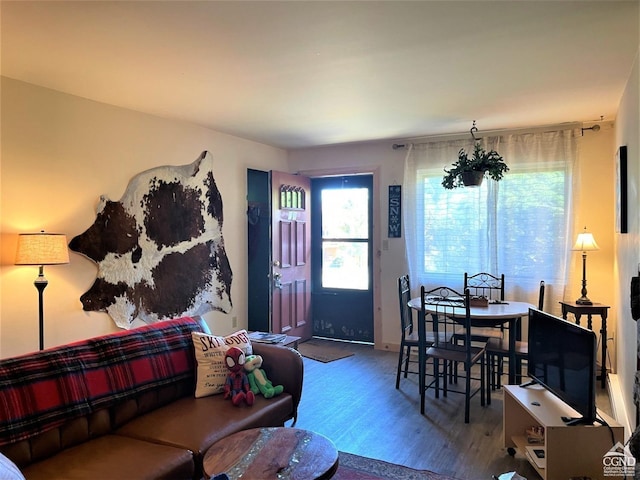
258,378
237,386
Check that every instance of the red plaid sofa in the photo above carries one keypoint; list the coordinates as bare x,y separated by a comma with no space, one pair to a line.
122,406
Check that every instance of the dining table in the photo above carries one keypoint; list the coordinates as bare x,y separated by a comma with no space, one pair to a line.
495,314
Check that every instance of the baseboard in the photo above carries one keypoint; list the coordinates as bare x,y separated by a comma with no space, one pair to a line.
389,347
617,404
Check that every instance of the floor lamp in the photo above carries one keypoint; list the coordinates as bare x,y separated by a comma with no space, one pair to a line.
42,249
585,243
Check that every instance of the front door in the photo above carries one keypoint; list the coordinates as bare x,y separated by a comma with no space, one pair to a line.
291,255
342,257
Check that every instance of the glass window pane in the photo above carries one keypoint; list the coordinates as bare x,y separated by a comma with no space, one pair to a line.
345,265
519,231
344,213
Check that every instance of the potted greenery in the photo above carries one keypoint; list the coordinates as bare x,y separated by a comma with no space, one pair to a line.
470,171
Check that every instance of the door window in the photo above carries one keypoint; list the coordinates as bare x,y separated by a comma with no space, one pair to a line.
345,238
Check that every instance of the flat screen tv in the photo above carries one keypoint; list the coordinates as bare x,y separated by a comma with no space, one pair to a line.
562,358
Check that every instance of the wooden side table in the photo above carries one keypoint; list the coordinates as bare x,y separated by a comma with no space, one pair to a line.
589,310
271,453
291,341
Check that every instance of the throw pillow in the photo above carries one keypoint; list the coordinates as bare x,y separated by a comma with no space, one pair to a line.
211,374
9,470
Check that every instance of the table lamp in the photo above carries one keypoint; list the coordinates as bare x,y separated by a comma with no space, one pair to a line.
42,249
585,243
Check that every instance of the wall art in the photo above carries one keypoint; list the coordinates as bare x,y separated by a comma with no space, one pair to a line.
621,190
159,249
395,211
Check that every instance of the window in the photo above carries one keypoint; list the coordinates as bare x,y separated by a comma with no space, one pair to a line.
516,226
480,229
345,238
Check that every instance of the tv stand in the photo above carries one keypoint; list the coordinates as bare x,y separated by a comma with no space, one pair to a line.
563,444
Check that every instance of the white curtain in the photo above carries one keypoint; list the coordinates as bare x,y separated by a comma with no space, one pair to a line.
519,226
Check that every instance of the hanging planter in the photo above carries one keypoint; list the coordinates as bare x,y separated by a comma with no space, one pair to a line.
472,179
470,170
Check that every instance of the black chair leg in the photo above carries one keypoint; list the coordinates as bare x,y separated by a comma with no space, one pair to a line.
482,381
436,375
467,398
445,384
487,386
399,367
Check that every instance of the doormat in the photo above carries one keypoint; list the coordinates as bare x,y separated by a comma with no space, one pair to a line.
354,467
323,351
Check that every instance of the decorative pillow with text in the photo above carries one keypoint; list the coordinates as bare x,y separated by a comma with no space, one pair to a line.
211,374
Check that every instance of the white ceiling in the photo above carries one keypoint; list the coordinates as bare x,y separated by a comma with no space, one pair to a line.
302,73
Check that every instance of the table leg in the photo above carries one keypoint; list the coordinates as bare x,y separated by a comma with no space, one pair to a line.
603,333
512,350
590,311
421,359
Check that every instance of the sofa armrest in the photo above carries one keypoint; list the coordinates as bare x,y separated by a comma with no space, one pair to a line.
283,366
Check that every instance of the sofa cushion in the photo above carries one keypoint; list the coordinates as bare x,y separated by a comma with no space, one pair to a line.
197,423
209,352
115,456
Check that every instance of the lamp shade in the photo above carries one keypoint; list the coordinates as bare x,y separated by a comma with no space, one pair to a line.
42,249
585,242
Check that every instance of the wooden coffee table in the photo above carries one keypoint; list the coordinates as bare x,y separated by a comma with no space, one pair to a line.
270,453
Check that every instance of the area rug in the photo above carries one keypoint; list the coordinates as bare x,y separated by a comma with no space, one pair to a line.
354,467
322,351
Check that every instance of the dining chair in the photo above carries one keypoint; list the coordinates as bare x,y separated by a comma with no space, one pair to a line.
444,310
485,285
409,333
498,351
409,336
490,287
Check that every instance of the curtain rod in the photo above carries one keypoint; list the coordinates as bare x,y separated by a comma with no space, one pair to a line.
453,136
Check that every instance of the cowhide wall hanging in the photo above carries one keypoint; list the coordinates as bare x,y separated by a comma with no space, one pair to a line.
159,249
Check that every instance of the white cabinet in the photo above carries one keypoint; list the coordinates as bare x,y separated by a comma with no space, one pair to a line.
570,451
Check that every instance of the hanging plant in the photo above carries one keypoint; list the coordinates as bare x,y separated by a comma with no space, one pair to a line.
481,164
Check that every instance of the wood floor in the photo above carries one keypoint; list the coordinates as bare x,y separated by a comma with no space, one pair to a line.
353,402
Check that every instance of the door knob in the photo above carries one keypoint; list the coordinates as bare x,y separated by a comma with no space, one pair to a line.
277,280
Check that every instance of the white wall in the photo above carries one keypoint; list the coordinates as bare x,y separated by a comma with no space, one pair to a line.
59,154
627,246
